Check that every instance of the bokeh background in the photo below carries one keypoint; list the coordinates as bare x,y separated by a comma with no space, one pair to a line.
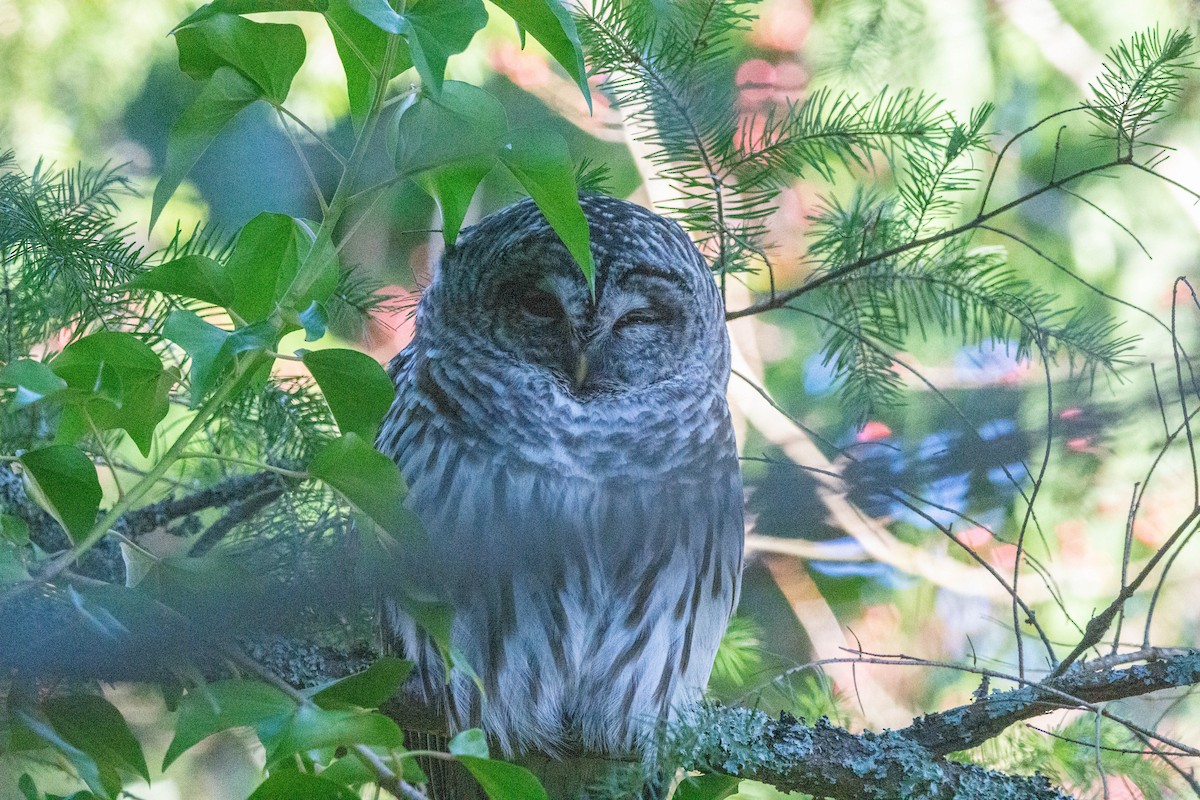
94,81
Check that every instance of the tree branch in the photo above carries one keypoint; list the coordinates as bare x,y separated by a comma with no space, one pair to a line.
970,725
827,761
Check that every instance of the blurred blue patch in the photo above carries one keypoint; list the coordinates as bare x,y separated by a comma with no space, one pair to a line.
819,377
949,492
1001,480
936,445
987,362
870,570
996,428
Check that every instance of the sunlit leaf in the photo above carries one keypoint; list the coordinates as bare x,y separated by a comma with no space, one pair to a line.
250,7
195,276
224,94
504,781
356,39
220,706
66,478
448,144
282,785
707,787
268,54
370,688
119,381
433,29
357,389
552,24
541,163
33,381
96,727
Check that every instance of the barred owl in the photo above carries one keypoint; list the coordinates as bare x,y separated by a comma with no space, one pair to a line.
573,463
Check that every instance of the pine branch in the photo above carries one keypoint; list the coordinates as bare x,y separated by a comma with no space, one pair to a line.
781,299
1139,79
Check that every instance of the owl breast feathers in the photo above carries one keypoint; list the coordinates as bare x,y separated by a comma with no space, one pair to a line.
574,467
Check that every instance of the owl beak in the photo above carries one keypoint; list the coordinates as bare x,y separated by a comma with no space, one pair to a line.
581,370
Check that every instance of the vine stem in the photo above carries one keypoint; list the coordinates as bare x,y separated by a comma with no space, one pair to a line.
151,478
310,270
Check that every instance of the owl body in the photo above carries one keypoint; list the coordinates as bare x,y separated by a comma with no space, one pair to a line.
573,463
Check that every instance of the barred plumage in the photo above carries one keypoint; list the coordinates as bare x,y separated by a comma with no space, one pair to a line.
574,465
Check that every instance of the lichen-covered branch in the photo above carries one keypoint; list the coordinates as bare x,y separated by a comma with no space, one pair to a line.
827,761
970,725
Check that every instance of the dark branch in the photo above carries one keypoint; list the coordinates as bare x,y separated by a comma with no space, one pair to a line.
827,761
971,725
781,299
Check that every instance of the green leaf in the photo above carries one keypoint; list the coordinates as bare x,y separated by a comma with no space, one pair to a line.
14,530
213,349
453,187
367,478
461,125
356,39
263,263
504,781
119,382
205,344
225,94
67,480
541,163
102,779
268,54
315,321
449,143
707,787
33,381
357,389
370,688
270,252
352,770
96,727
203,587
220,706
312,728
319,266
28,788
14,539
283,785
195,276
12,564
552,24
472,742
433,29
250,7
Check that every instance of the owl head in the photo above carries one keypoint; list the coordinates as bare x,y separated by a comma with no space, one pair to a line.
510,292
